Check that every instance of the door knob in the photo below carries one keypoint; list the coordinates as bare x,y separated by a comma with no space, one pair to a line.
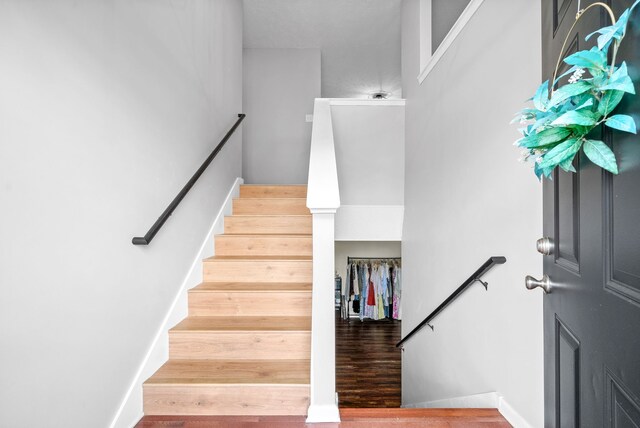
545,246
531,283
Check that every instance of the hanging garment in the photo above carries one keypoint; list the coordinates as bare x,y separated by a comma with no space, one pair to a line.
364,289
370,308
373,290
356,287
387,290
395,292
399,275
356,305
345,284
379,292
371,295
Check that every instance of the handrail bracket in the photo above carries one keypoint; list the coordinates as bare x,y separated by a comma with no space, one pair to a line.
484,283
495,260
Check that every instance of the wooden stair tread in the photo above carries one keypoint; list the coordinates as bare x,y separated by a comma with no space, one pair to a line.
276,234
261,216
266,235
251,190
251,287
244,323
256,258
273,206
233,372
269,224
268,199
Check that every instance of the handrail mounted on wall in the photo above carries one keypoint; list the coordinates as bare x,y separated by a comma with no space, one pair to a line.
495,260
146,239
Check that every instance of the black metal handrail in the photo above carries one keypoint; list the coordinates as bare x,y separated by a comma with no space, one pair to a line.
495,260
146,239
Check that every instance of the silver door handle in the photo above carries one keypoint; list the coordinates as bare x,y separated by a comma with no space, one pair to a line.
531,283
545,246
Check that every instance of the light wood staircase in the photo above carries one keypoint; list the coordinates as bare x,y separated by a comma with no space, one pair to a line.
245,347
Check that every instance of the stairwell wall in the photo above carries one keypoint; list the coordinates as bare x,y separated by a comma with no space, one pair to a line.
107,109
369,144
280,86
466,198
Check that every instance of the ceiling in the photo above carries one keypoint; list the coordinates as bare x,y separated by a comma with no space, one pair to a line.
359,40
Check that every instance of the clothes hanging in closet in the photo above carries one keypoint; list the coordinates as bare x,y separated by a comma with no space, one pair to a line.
374,287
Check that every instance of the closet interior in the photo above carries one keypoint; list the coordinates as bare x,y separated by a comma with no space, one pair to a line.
371,289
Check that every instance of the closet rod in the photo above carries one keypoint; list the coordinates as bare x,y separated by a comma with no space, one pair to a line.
350,259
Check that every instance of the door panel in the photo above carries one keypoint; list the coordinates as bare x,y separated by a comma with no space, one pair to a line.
567,219
622,235
592,315
622,408
567,377
560,9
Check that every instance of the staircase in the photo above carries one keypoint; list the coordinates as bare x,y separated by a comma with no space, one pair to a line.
244,348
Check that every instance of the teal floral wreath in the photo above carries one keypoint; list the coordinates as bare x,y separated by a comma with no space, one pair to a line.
557,127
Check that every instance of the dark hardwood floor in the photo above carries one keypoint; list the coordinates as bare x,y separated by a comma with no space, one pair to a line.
368,363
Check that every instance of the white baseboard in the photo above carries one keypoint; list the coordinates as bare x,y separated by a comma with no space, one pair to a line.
490,400
130,410
513,417
320,414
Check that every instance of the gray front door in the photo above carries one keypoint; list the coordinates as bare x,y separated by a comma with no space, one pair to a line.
592,315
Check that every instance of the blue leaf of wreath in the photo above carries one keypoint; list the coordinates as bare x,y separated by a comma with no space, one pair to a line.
615,31
609,101
541,98
622,122
574,117
592,59
561,152
567,91
600,154
620,81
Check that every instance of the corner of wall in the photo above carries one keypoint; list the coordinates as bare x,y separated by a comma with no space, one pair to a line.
130,410
511,415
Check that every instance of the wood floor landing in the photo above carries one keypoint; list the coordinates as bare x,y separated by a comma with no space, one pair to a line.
351,418
368,364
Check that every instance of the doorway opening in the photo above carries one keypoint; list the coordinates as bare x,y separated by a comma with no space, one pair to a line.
368,323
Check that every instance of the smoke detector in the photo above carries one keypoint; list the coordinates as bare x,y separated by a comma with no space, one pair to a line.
379,95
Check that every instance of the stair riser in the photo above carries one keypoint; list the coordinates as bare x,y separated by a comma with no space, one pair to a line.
270,206
269,225
230,245
226,400
240,345
257,271
273,191
220,303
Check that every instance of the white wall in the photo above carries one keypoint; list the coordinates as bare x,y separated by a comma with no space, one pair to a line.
369,140
107,108
466,198
369,144
280,86
346,249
